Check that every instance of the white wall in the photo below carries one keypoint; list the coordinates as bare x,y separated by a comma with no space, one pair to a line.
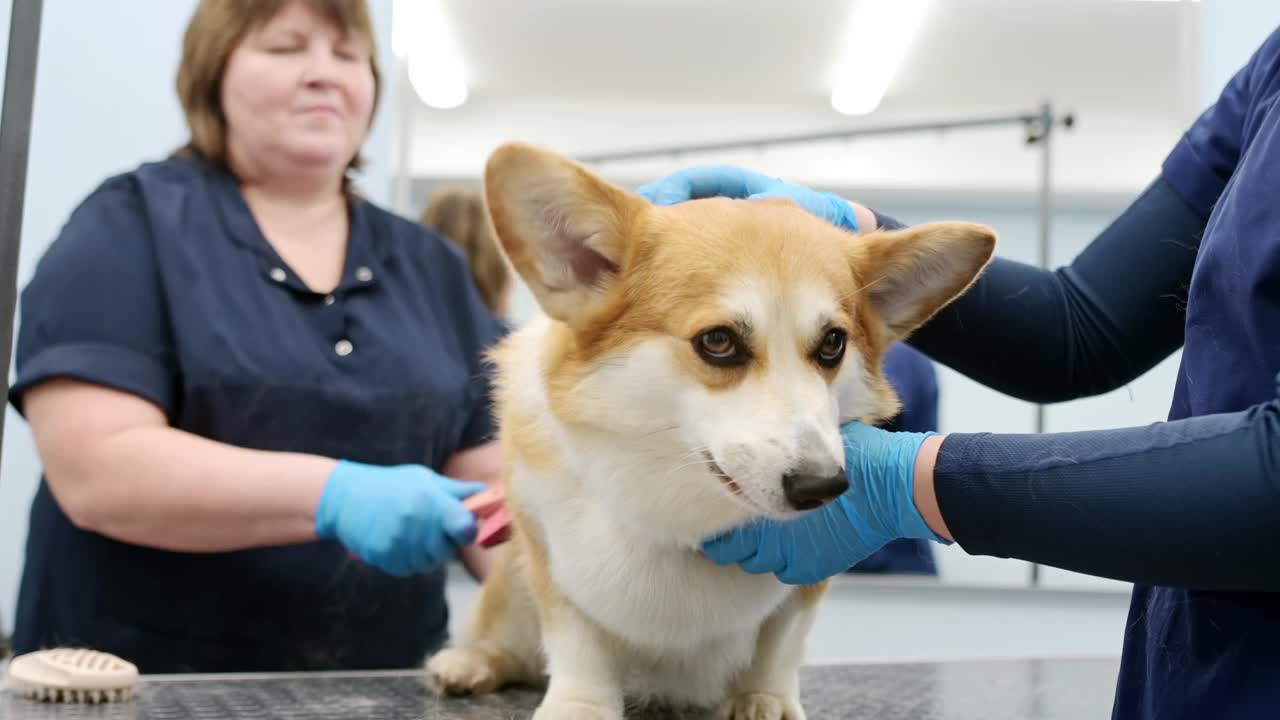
103,105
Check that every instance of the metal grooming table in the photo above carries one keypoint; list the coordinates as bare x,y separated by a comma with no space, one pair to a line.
1074,689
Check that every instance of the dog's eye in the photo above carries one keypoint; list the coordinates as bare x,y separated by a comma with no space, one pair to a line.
720,346
718,343
831,350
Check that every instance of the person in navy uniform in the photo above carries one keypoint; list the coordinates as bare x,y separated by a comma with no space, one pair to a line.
914,378
1187,509
257,397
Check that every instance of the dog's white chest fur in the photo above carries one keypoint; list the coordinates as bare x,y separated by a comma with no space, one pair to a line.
688,624
656,596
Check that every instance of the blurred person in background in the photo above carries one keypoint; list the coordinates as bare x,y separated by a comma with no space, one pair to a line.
459,215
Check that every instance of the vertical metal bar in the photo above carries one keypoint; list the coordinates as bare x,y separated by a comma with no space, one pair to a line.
1042,250
408,103
1046,182
1045,203
15,140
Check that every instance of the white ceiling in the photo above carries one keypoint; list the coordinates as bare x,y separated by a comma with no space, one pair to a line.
1117,53
590,76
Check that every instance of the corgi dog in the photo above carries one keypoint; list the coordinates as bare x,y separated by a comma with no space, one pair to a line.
689,372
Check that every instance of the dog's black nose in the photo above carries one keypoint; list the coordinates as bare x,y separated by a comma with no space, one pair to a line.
806,492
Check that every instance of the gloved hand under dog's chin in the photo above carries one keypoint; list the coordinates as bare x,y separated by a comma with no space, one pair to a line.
878,507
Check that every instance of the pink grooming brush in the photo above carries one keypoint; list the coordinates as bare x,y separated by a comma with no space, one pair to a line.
495,521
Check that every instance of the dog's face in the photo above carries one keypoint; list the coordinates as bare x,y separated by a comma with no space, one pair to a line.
723,341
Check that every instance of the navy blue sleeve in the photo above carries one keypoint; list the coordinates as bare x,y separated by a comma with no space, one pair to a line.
1084,329
1191,503
94,309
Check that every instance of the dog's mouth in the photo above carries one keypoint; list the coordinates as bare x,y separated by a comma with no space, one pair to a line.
729,484
722,476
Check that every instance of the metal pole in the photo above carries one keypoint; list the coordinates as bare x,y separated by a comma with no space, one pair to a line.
1044,137
15,137
1025,119
1046,203
404,145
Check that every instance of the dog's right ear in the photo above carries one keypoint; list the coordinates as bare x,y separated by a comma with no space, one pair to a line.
564,229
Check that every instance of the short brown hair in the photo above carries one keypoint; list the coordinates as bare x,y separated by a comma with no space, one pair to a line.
214,31
460,215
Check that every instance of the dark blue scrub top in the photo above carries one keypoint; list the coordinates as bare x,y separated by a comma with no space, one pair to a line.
1189,653
162,285
912,375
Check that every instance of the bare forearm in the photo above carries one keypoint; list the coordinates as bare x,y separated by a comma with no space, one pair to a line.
865,217
165,488
926,497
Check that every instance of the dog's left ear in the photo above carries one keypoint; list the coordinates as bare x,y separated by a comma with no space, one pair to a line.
564,229
911,274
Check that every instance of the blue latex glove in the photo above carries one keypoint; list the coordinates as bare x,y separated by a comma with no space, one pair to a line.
878,507
403,519
734,182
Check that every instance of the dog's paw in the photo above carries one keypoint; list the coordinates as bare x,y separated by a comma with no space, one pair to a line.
561,710
461,671
760,706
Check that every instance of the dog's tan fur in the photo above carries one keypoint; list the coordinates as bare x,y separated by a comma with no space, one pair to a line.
625,283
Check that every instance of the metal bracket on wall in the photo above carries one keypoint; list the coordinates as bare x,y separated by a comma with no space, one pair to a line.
15,143
1038,124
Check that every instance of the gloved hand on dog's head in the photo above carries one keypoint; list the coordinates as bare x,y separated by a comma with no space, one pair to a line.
734,182
402,519
878,507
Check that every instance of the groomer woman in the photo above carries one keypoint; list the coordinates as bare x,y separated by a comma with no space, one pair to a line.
257,397
1188,509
